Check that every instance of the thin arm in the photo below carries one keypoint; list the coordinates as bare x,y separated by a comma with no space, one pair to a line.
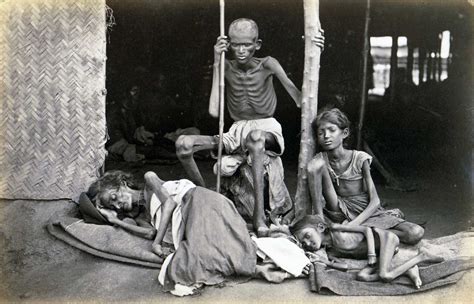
214,97
289,86
374,201
147,233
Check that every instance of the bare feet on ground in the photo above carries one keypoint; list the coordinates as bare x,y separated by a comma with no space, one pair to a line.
414,275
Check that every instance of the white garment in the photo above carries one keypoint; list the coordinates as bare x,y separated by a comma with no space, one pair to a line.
284,253
176,190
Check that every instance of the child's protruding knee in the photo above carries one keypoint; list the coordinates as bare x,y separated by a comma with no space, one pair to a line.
315,166
414,235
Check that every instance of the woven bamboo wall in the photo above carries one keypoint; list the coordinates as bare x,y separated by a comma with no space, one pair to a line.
52,106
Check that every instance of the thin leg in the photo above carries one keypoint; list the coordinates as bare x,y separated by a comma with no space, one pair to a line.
256,146
320,184
408,233
186,145
388,244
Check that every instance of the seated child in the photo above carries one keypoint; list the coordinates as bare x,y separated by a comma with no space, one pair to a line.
314,233
343,178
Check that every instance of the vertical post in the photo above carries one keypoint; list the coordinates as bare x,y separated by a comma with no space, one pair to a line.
421,64
409,75
309,104
363,89
429,69
393,68
221,99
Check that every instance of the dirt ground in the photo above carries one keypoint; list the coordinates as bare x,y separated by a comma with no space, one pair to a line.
36,267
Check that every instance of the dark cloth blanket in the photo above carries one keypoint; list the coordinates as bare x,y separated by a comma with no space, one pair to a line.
455,249
104,241
216,242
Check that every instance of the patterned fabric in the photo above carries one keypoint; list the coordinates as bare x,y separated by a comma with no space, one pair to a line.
241,187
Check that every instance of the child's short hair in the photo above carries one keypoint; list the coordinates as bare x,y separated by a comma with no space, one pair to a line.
244,25
311,221
334,116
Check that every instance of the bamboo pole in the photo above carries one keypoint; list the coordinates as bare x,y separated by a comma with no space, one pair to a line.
393,68
421,64
221,99
363,89
409,75
309,104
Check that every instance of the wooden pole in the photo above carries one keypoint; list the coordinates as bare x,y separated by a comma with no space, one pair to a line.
393,68
221,99
429,69
309,104
363,89
421,64
409,74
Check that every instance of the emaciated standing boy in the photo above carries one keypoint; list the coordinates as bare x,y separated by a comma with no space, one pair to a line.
251,102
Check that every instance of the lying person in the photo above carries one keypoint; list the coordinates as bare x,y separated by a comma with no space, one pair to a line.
210,237
342,176
353,240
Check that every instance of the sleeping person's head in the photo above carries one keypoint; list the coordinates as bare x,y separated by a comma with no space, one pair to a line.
115,190
310,231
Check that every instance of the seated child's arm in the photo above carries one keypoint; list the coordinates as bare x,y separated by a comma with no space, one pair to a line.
289,86
111,216
369,236
374,201
220,47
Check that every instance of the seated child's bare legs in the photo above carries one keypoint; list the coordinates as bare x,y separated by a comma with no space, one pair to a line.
408,233
388,244
186,145
320,184
255,142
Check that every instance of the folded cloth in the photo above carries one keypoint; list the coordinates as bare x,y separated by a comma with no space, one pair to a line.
104,241
284,253
457,250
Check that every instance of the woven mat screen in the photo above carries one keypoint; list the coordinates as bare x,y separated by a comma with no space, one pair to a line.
52,111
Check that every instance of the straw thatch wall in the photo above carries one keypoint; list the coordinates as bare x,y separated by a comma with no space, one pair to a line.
52,102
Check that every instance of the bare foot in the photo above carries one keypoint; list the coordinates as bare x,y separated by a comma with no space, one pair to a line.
263,231
157,249
429,257
414,275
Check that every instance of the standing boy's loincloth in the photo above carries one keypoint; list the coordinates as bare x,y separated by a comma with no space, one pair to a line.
234,140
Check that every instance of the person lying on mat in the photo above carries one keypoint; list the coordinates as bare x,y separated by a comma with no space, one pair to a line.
210,237
314,232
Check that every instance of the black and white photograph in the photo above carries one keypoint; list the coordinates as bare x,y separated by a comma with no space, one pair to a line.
236,151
